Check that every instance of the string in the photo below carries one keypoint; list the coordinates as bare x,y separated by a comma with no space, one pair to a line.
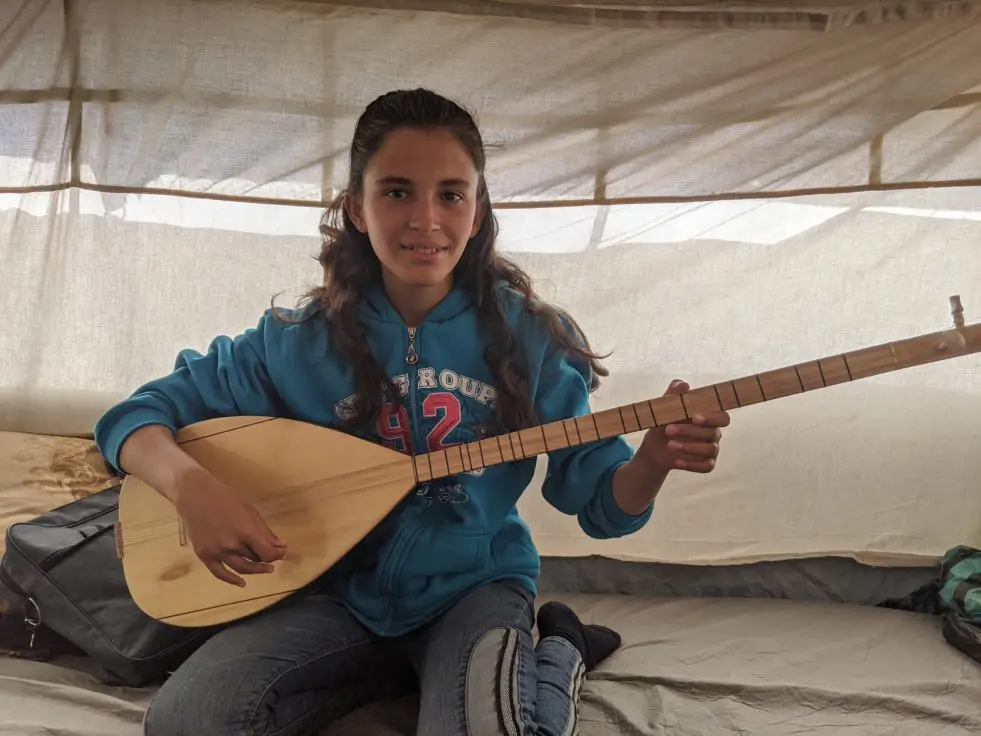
952,340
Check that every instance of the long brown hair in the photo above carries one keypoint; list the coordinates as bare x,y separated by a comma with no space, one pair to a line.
349,263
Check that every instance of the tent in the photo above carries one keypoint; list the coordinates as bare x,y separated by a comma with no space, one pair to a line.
713,189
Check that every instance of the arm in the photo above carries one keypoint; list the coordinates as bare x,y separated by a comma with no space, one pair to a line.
637,483
228,535
151,454
601,483
229,380
692,446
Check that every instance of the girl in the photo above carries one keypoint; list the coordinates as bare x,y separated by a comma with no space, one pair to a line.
421,336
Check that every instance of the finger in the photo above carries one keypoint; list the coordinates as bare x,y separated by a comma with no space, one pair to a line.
219,571
682,432
266,530
695,450
695,466
246,566
260,548
716,419
677,386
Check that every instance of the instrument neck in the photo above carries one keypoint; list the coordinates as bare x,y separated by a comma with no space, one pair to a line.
726,396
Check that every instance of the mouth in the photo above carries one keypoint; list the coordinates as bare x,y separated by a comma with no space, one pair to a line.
424,249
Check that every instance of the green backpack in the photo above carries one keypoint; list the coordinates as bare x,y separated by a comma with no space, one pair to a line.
956,597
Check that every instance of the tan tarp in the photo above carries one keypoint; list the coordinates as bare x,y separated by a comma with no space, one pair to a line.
687,667
259,99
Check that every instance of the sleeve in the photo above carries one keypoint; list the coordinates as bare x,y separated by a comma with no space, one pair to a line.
230,379
579,480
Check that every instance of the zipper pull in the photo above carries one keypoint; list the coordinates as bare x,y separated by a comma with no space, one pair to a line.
410,356
32,620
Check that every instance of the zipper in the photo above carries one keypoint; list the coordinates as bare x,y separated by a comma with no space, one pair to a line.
404,536
411,357
32,621
49,562
411,360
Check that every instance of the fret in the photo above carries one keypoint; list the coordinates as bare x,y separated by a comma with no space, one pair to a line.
666,410
507,449
747,391
645,414
834,370
629,419
587,428
697,401
439,464
726,395
608,423
810,376
474,464
758,388
490,450
555,437
800,380
421,468
868,362
532,441
780,383
465,463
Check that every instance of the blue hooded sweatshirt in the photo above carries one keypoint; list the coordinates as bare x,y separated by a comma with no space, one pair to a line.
452,534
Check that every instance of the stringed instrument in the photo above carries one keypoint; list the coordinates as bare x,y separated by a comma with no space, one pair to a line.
322,490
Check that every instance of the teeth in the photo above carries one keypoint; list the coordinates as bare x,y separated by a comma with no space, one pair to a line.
422,250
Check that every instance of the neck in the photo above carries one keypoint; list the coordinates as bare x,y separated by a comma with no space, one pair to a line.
725,396
414,303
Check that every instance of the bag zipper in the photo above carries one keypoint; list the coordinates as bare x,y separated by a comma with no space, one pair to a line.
55,557
31,621
46,563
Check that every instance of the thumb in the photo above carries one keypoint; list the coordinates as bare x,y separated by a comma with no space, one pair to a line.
677,386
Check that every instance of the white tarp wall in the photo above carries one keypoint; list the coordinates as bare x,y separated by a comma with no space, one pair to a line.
713,194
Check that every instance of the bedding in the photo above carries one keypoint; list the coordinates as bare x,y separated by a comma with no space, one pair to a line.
687,667
41,472
794,646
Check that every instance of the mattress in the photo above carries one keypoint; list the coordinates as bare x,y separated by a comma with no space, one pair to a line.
688,666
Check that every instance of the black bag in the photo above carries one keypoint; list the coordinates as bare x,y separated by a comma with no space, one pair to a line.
69,591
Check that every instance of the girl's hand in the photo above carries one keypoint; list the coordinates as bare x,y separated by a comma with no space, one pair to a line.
688,446
228,534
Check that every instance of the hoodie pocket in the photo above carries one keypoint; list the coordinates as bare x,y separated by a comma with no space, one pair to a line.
443,554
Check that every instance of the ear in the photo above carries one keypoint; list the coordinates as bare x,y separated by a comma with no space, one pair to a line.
478,217
354,207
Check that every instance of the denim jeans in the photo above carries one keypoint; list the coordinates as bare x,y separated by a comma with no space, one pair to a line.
295,668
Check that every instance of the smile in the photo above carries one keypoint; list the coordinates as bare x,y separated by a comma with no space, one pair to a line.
421,249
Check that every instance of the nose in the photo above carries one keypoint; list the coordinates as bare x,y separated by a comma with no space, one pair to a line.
424,215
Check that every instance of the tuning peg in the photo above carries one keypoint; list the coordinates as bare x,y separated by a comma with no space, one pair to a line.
957,311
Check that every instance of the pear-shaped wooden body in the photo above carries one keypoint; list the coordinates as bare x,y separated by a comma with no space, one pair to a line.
319,489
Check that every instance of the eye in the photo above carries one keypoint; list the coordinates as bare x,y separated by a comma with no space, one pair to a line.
453,197
396,193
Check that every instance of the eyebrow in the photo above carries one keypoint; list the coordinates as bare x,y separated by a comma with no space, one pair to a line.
402,181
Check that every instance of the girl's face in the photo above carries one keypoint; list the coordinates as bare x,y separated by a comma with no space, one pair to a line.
419,208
